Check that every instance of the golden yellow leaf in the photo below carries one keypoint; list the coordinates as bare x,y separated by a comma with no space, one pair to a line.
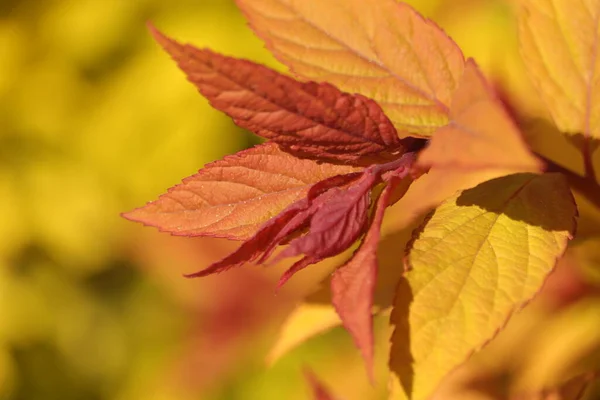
482,254
559,44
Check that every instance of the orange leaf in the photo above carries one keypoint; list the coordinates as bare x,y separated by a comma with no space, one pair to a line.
311,118
480,134
233,197
560,41
384,50
278,229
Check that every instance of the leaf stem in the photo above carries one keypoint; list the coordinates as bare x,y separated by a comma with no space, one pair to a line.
585,185
587,160
405,161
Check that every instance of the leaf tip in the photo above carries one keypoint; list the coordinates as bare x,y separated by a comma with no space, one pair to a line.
144,215
215,268
134,215
127,215
174,48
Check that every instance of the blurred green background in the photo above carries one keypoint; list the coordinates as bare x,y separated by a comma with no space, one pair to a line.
96,120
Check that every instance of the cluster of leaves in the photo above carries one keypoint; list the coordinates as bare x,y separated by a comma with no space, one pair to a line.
383,100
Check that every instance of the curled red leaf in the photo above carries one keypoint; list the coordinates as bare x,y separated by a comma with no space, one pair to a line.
338,223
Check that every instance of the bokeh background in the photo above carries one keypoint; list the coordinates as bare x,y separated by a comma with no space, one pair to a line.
96,120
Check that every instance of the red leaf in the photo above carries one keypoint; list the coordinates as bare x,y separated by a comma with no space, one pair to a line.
337,223
311,118
317,195
277,229
353,284
233,197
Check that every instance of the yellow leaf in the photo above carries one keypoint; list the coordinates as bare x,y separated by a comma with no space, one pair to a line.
384,50
480,255
306,321
559,44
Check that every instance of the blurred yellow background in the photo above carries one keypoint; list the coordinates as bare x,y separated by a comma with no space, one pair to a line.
96,120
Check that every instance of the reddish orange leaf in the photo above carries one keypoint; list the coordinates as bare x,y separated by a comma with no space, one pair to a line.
384,50
233,197
480,134
310,118
353,284
276,230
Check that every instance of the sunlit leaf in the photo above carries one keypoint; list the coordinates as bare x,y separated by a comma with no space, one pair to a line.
291,221
482,254
480,134
233,197
559,44
383,50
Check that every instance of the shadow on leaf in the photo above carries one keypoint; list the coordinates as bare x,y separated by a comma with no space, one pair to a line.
390,256
401,358
537,200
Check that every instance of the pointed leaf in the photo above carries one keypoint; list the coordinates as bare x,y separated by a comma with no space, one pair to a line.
353,284
560,42
233,197
335,226
311,118
384,50
480,134
482,254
